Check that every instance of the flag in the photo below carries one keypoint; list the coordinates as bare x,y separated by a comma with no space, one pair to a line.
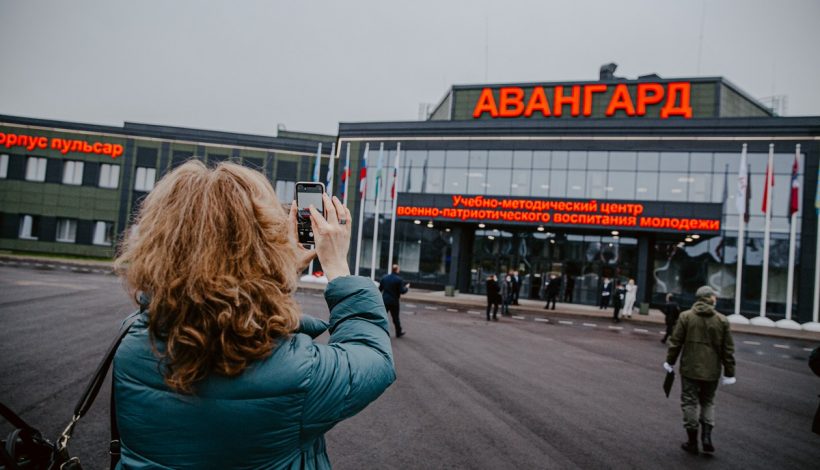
363,174
379,175
748,194
768,182
345,176
794,204
424,176
725,184
407,183
393,188
742,183
318,163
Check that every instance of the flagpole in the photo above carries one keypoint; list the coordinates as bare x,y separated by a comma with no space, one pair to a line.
762,320
363,194
330,172
788,322
395,195
347,176
376,216
741,241
814,324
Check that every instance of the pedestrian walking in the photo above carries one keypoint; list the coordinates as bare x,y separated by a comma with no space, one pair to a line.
671,310
516,286
606,293
814,365
392,287
631,296
220,369
569,287
553,290
493,297
703,340
506,295
618,296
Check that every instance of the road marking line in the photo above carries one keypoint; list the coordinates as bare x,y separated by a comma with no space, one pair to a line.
782,346
753,343
808,349
565,322
473,312
785,356
661,332
542,320
615,327
431,308
452,310
518,317
411,305
640,330
593,325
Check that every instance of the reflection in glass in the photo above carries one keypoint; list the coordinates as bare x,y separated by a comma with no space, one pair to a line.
457,158
558,183
623,161
498,181
575,184
560,160
478,159
674,161
701,185
520,182
700,162
522,159
673,186
433,182
540,183
541,160
500,159
646,186
621,185
597,160
596,184
455,180
409,158
577,160
648,161
477,181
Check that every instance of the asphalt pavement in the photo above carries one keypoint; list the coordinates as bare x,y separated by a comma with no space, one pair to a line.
546,391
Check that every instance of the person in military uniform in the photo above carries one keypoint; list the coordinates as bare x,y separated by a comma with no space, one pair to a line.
704,342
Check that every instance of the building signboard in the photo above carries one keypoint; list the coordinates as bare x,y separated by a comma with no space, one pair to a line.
656,216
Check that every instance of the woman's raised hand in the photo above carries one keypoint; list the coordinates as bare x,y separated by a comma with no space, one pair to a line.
332,236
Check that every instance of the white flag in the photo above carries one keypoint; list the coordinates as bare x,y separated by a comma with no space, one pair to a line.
742,182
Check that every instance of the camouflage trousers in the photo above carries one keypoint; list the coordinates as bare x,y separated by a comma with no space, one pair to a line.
697,400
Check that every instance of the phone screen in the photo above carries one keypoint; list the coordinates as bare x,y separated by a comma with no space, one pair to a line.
308,194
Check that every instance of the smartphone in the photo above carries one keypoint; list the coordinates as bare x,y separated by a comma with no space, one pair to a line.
308,193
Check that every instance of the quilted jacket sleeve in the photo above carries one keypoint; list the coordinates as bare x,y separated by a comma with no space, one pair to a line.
356,365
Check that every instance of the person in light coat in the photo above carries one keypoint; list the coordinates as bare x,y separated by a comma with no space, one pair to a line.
629,298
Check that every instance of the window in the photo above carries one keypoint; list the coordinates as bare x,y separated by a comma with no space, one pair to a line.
145,179
286,190
4,166
29,227
35,169
66,230
103,233
72,172
109,176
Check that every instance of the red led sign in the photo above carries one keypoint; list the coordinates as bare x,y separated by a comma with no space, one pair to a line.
31,142
515,102
556,212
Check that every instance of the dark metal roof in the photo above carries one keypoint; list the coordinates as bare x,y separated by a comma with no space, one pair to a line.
133,129
770,126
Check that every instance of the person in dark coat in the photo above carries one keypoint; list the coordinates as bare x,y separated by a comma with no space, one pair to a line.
618,296
553,290
392,287
493,296
570,286
606,293
516,287
671,310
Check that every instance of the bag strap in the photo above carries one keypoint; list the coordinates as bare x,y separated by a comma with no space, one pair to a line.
93,387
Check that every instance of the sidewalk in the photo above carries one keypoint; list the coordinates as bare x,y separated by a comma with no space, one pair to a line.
478,302
535,308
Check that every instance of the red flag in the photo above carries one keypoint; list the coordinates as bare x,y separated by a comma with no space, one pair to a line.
393,188
794,205
769,181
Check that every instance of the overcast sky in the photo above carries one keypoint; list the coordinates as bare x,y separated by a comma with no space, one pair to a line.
249,65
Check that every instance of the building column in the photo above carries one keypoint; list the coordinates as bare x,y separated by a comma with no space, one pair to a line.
466,238
645,245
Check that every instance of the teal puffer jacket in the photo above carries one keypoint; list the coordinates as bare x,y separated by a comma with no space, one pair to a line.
272,416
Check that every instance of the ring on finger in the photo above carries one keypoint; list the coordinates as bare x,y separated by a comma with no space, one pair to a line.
342,221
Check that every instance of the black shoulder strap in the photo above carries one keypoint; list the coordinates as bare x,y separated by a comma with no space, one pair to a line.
93,387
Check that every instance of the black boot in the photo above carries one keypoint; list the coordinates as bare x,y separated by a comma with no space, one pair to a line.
692,445
706,438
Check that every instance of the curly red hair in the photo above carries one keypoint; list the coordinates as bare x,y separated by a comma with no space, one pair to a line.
211,248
